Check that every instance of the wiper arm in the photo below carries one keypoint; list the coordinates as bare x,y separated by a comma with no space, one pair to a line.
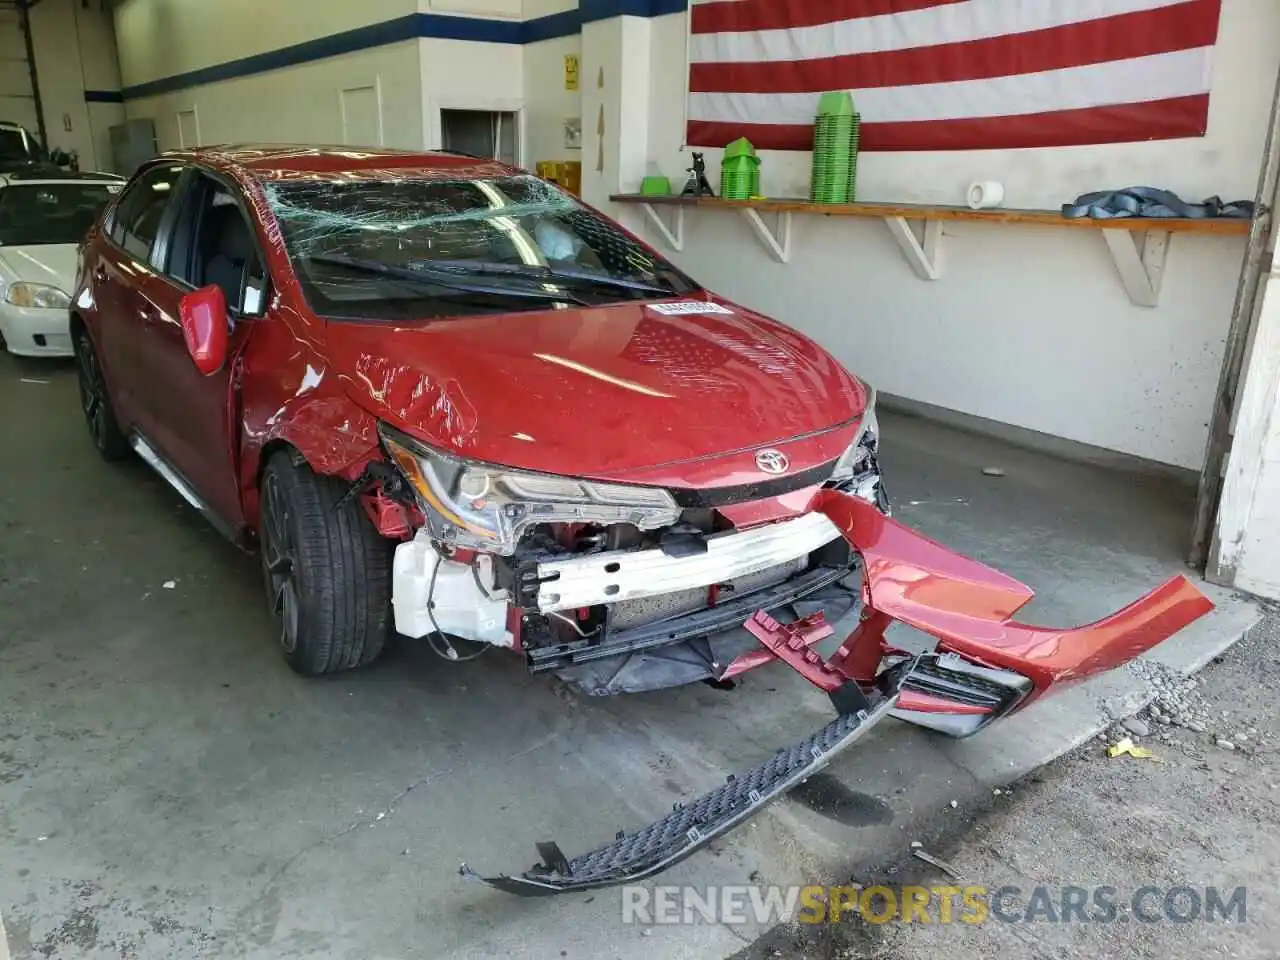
604,280
448,280
535,272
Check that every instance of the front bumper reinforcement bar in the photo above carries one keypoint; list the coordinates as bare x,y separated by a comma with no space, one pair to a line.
661,633
689,827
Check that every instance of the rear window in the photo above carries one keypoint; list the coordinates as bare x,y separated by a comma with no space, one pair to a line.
19,144
42,213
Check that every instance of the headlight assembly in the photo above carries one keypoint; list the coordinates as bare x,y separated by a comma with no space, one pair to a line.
863,449
487,508
40,295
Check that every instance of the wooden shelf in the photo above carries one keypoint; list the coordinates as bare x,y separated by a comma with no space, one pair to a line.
916,211
1138,245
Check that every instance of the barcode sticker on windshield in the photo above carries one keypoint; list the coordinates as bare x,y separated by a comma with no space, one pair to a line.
686,307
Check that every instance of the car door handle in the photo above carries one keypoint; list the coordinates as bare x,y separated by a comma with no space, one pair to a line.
148,314
99,275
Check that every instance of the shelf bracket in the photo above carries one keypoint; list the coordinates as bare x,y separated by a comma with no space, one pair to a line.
673,240
777,243
1141,268
925,259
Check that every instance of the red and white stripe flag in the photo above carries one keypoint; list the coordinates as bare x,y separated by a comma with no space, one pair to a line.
952,74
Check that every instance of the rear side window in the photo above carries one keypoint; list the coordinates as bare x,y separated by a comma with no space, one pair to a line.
137,219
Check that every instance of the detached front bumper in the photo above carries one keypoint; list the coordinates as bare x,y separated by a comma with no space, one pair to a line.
985,666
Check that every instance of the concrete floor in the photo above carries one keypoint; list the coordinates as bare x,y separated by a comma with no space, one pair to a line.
169,789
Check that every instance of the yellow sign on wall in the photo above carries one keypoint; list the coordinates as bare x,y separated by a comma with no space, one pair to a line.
570,71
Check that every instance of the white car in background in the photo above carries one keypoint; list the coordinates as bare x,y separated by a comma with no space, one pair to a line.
43,216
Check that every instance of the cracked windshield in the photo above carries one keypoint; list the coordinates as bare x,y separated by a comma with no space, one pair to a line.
400,249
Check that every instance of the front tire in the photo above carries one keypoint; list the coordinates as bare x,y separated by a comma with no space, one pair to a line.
95,402
327,570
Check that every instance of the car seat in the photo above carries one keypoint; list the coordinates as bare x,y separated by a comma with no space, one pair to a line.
227,252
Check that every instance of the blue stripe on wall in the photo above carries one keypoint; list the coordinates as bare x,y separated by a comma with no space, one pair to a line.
552,27
412,27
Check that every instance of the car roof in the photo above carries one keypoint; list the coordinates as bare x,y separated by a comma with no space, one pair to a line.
271,161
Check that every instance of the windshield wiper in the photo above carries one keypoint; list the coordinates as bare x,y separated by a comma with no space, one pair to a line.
446,279
536,272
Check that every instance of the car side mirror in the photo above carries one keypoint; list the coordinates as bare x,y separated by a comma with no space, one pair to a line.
203,314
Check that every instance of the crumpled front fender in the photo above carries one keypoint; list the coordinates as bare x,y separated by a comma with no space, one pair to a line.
968,607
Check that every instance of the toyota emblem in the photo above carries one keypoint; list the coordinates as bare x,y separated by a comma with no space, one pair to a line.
772,461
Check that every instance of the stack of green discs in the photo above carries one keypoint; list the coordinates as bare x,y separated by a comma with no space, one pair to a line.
835,150
739,171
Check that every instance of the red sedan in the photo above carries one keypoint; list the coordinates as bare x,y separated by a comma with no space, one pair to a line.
443,398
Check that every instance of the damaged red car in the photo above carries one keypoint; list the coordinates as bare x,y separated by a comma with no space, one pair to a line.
444,399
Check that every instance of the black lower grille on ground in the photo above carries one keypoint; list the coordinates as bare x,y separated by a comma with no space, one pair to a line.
669,840
929,677
951,677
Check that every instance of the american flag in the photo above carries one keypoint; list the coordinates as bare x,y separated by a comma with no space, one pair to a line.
952,74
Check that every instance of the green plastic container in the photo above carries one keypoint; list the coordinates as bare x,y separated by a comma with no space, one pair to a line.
835,150
739,171
655,187
838,103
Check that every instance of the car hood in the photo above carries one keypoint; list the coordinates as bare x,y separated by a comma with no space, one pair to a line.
51,263
597,391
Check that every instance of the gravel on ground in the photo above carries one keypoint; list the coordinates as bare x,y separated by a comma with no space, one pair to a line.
1203,812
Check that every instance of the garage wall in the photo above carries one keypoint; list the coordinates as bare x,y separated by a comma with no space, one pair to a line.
353,98
16,101
75,55
163,38
209,74
79,77
1029,326
369,96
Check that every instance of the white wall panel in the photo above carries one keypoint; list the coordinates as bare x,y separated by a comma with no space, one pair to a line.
300,104
506,9
361,109
547,102
543,8
16,100
188,121
162,38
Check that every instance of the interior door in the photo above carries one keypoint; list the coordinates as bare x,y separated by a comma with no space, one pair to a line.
361,109
191,416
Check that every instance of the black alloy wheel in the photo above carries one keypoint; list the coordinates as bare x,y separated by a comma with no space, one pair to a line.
280,562
95,402
326,569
